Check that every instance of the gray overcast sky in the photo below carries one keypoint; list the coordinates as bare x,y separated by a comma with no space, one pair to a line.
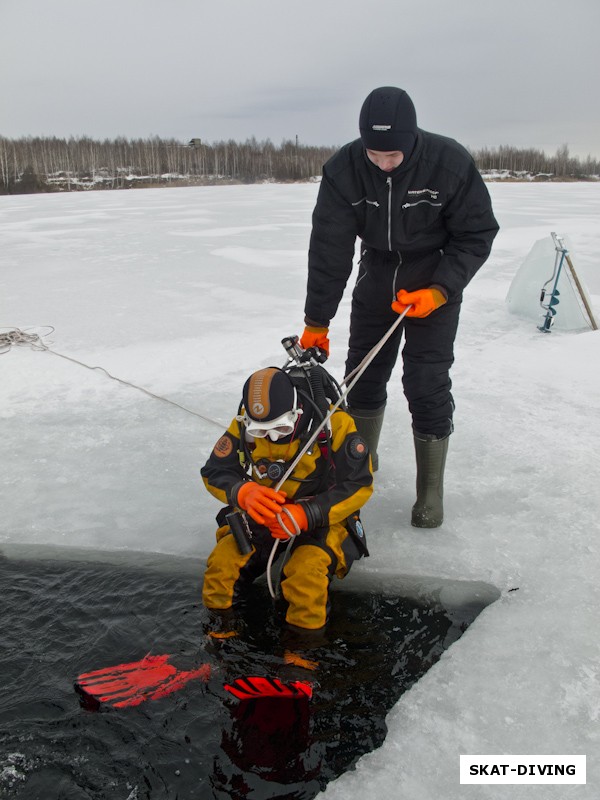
518,72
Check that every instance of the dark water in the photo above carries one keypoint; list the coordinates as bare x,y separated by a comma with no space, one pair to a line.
62,618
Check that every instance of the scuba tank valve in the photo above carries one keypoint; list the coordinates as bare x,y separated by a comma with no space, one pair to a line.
309,357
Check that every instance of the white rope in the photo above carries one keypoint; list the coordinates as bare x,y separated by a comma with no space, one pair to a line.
356,375
288,513
18,337
291,534
373,352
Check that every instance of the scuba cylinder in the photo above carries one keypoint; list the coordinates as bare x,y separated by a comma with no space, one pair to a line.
306,367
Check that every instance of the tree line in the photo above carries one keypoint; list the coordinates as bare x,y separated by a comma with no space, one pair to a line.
34,164
536,162
44,164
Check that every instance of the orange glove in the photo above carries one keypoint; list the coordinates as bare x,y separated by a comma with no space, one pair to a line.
314,336
261,502
298,515
423,301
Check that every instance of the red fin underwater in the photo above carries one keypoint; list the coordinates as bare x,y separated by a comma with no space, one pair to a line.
130,684
254,687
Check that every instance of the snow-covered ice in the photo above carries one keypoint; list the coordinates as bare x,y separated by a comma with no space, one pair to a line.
184,292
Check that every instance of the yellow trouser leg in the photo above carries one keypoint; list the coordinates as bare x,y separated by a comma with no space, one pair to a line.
308,574
223,571
306,587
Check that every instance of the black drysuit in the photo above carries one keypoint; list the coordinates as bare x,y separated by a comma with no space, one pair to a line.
429,222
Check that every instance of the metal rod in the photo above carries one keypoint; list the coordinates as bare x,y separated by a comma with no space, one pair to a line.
560,245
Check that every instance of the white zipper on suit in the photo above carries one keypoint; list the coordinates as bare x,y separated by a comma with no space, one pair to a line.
389,183
399,264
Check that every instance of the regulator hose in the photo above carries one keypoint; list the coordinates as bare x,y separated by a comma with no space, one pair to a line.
317,385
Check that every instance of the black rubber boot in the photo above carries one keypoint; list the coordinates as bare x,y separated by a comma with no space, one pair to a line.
428,511
368,423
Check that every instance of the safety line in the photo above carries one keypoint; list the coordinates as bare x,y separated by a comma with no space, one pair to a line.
18,337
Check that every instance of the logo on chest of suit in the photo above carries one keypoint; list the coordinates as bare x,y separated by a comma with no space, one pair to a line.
430,193
417,196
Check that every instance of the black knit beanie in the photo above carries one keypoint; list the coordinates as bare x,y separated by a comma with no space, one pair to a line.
388,121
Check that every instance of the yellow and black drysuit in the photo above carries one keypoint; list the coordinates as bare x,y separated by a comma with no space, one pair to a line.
334,485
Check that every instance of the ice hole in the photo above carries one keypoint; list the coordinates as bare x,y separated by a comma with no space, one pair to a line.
68,611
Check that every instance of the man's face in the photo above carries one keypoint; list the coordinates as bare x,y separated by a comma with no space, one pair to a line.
387,161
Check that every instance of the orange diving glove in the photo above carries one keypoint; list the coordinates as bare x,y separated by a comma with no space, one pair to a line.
315,336
297,514
423,301
261,502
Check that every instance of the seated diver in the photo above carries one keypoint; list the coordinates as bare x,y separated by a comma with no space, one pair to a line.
317,504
